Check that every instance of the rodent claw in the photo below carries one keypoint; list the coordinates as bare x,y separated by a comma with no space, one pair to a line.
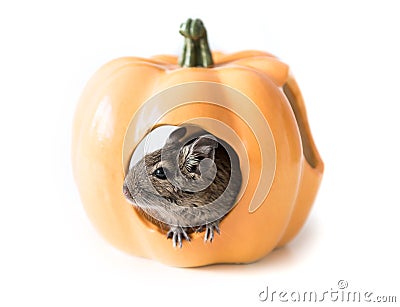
176,234
216,228
209,235
179,237
210,228
187,238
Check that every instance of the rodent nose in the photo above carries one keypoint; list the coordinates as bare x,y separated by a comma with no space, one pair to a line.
126,192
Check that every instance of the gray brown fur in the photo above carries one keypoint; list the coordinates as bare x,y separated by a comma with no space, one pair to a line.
179,204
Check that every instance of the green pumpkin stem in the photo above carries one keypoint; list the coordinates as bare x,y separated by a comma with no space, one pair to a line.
196,51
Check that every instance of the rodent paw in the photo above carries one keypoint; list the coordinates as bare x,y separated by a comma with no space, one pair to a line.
177,233
210,229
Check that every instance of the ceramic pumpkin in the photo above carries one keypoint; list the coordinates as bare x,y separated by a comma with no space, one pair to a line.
248,98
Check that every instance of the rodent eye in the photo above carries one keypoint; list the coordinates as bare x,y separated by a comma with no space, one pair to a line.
160,174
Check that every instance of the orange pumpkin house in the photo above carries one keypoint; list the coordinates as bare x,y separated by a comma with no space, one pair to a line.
251,94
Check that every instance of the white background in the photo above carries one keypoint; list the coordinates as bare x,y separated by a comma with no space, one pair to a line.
345,56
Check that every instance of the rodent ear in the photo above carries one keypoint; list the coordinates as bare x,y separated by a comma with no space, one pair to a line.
177,134
203,147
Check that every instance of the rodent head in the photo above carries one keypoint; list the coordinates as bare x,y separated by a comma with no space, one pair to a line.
185,165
